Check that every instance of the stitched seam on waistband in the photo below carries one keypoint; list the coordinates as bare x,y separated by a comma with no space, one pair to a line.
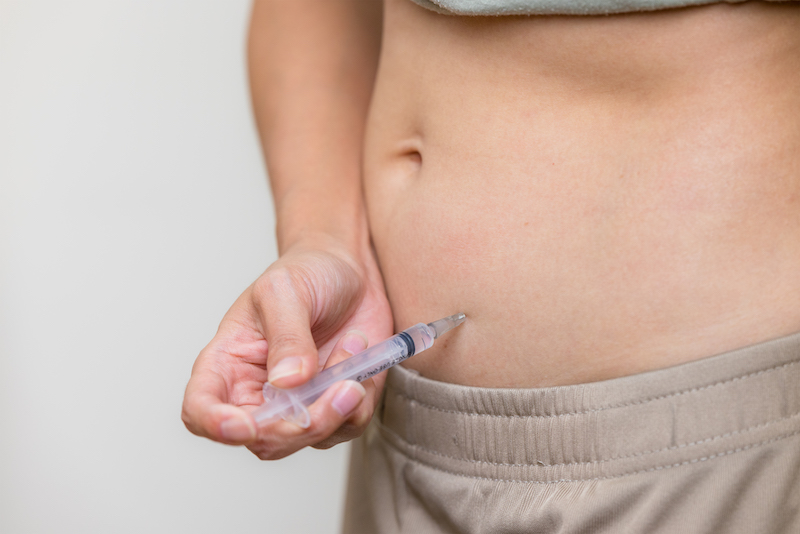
608,477
601,408
598,462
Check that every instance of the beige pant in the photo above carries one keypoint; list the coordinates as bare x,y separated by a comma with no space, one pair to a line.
711,446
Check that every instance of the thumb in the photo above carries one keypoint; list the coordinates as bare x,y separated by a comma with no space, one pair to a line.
292,355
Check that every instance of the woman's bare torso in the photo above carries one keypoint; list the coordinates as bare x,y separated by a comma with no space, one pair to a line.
600,195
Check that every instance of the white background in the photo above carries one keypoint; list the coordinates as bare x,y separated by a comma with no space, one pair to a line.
133,210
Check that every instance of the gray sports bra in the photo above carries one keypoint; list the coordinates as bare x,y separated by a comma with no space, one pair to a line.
555,7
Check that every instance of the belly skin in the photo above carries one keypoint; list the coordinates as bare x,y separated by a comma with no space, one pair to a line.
600,195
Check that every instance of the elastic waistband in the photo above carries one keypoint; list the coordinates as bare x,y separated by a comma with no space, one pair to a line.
684,414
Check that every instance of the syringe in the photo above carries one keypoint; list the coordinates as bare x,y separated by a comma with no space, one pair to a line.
291,404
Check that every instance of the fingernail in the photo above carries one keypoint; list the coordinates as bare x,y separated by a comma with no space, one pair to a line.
348,397
237,429
292,365
354,341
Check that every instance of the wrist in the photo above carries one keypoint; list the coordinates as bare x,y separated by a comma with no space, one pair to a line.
320,220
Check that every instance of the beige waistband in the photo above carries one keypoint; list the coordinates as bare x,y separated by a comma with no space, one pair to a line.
657,420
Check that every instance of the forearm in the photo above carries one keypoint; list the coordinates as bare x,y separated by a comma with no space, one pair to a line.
312,65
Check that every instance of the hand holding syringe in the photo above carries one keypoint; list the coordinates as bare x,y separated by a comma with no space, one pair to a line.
292,404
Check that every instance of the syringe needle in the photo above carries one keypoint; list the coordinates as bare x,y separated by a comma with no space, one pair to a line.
445,325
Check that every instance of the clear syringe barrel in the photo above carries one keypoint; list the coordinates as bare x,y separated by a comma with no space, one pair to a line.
290,404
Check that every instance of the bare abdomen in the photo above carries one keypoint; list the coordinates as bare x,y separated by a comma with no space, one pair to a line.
601,196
